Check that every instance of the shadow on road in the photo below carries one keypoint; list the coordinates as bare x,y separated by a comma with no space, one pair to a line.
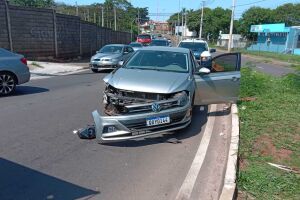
25,90
19,182
198,121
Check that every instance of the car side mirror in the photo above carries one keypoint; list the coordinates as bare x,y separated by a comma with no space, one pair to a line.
121,62
97,51
204,70
213,50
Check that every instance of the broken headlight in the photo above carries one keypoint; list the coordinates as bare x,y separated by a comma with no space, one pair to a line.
182,98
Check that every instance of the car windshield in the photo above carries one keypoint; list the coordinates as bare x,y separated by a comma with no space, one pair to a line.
159,60
144,36
135,45
195,46
159,43
111,49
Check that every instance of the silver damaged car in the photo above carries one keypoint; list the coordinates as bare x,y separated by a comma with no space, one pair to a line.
156,89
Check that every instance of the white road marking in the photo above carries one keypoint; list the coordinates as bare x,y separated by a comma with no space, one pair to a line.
187,186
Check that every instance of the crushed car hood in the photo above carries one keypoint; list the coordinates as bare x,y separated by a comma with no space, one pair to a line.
149,81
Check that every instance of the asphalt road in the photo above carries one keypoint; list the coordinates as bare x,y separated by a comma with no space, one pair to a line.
40,158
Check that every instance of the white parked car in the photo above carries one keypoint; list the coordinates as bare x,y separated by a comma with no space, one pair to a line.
200,50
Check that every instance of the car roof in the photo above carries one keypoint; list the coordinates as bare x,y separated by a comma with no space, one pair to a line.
194,40
172,49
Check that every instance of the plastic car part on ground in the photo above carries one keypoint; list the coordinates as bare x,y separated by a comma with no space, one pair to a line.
86,133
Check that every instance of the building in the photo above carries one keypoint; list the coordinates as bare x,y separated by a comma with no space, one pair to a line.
155,26
276,38
237,41
185,32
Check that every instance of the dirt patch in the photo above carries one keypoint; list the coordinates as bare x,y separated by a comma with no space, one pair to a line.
241,195
243,163
265,147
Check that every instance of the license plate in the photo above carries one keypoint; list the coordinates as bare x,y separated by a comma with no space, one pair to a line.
154,121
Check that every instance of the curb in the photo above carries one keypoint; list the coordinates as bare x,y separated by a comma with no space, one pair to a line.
228,191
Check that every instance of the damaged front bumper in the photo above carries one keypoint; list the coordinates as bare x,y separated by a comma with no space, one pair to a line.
124,127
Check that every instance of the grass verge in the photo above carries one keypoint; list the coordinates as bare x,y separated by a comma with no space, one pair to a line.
269,132
290,58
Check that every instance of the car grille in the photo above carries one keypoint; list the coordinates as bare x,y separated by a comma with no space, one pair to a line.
143,95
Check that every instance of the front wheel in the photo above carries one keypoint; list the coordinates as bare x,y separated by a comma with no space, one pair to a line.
7,84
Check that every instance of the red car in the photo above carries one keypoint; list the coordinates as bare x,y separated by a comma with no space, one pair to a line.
144,39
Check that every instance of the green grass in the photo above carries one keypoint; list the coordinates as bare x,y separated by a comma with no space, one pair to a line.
290,58
275,114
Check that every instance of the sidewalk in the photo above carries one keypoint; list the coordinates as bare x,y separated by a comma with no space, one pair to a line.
41,70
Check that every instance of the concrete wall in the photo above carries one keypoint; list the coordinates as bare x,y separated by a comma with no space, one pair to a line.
40,33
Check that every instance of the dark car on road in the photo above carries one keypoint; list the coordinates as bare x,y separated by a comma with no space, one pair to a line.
157,42
13,71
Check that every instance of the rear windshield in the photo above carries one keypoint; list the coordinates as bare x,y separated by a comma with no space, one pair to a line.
195,46
144,36
159,43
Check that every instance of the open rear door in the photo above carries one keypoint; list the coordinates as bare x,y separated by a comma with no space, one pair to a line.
222,84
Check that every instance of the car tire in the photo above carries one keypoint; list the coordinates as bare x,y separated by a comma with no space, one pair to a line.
8,83
95,70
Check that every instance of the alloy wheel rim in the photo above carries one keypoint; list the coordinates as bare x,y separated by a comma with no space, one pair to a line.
7,84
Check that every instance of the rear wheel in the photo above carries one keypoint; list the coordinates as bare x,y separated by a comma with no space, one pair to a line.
95,70
7,84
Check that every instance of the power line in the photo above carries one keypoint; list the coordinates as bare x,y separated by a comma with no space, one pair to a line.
247,4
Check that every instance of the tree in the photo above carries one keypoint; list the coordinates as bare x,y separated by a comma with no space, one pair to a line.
255,15
288,13
34,3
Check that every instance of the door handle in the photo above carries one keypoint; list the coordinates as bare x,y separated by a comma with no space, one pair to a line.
235,79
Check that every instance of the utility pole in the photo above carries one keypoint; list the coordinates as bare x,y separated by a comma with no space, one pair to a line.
178,23
76,9
231,26
94,17
201,21
115,14
102,14
182,24
185,23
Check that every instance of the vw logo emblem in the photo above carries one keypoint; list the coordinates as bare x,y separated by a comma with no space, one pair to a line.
155,107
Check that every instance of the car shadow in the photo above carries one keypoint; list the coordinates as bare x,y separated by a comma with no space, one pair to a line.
26,90
198,121
19,182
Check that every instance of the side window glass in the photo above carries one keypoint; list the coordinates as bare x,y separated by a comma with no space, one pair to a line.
130,49
225,63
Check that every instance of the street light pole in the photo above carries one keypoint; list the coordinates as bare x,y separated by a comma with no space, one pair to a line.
178,23
201,20
231,25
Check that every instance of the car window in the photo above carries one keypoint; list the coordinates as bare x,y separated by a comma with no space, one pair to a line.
144,36
159,60
159,43
130,49
193,62
111,49
195,46
225,63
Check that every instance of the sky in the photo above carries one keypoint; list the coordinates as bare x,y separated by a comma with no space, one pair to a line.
167,7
